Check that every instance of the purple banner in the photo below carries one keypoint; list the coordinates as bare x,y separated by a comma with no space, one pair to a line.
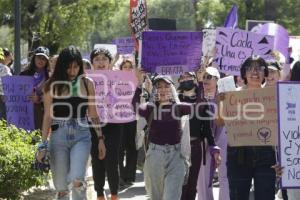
114,93
235,46
125,45
281,37
171,53
19,110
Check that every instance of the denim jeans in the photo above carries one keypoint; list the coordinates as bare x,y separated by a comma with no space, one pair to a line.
164,170
245,163
70,146
293,194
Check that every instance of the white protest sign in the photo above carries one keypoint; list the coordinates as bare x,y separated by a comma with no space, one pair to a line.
289,133
226,84
209,42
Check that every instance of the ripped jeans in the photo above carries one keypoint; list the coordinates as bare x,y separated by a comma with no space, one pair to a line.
70,144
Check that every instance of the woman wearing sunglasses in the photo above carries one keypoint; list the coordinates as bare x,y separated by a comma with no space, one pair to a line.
210,77
252,162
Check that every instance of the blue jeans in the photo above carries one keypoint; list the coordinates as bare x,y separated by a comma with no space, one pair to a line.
70,146
245,163
164,170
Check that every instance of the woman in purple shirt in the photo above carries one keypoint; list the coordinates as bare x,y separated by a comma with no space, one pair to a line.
165,167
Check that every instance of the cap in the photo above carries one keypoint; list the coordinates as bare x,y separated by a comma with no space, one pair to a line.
274,66
189,73
42,51
167,79
213,71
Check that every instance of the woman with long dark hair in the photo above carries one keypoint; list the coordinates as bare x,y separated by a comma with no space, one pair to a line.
69,98
38,68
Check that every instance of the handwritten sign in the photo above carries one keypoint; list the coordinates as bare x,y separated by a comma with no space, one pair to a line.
138,20
19,110
171,53
235,46
250,117
289,129
125,45
114,93
209,42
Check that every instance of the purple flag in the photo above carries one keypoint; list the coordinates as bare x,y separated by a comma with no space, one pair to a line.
232,18
19,110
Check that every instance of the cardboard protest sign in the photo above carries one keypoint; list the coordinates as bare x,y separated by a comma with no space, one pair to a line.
235,46
209,42
250,117
125,45
138,20
114,93
19,110
171,53
289,133
112,48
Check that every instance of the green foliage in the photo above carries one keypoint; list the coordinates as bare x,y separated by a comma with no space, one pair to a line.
58,23
1,54
16,156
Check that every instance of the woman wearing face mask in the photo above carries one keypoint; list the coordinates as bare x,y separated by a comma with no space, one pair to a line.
252,162
38,68
191,92
101,60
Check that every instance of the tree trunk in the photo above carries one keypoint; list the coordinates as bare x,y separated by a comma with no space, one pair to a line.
271,7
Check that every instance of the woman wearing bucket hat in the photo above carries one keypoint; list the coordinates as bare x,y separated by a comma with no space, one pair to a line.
200,129
38,68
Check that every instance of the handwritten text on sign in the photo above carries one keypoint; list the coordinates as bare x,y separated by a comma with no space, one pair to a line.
19,110
235,46
125,45
138,17
171,53
251,117
289,129
114,93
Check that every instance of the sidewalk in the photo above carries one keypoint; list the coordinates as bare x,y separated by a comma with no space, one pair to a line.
134,192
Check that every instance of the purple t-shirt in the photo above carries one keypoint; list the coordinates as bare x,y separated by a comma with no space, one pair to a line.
165,128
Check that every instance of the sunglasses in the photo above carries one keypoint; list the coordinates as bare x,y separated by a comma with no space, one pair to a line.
255,68
207,77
